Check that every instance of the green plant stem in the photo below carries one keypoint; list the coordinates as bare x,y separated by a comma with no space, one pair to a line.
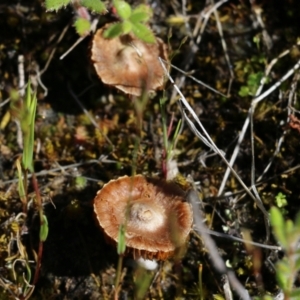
41,243
118,276
25,184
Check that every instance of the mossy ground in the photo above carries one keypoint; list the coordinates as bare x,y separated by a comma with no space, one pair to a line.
74,158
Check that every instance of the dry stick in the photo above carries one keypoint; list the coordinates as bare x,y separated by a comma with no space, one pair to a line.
6,285
194,78
92,29
224,45
40,73
195,46
266,37
205,16
233,238
21,85
63,168
253,186
41,243
54,50
292,93
213,250
251,113
209,142
247,121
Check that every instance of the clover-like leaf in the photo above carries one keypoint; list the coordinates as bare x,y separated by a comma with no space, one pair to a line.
94,5
56,4
123,9
142,32
113,31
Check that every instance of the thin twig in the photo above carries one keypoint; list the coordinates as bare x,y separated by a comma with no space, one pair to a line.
247,120
224,45
206,139
216,259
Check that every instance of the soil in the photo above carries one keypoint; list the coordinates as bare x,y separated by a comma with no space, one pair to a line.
87,133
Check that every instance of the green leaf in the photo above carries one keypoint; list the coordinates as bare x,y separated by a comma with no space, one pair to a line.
121,240
297,259
281,200
27,125
82,26
94,5
56,4
123,9
297,221
44,229
144,12
141,13
139,17
289,228
142,32
126,27
244,91
295,294
282,273
113,31
278,226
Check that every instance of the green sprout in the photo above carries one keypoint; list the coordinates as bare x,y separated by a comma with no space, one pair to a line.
281,200
287,234
132,20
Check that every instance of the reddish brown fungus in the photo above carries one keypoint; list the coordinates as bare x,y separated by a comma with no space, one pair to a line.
128,63
155,214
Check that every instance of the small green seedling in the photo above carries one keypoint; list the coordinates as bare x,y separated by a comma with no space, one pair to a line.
287,234
132,20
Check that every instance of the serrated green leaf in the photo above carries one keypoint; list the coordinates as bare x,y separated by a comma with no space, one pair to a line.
139,17
126,27
142,32
113,31
121,240
82,26
142,8
141,13
281,274
94,5
44,229
123,9
278,226
56,4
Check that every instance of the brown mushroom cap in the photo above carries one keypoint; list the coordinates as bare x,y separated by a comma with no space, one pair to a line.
156,216
128,63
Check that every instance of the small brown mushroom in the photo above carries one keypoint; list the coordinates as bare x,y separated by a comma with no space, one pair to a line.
155,214
128,63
